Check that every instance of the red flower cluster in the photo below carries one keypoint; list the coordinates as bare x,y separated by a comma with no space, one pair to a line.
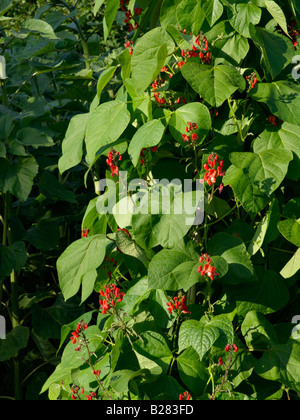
124,5
201,49
111,294
157,84
76,390
252,80
85,233
142,154
272,120
207,269
214,169
231,347
293,34
185,396
129,18
191,127
75,334
178,305
91,396
113,157
129,44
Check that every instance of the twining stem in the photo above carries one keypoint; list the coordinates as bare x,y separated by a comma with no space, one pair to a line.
86,345
224,378
240,139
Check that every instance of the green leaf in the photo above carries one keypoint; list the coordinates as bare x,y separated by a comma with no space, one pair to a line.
168,13
129,247
230,50
242,16
213,10
13,257
149,56
214,84
223,323
290,229
287,137
36,26
200,337
73,142
292,267
277,13
51,187
105,125
172,270
97,5
277,50
192,112
190,15
32,137
281,363
15,341
82,256
104,78
267,294
258,238
109,16
292,208
5,6
255,176
192,371
17,178
283,99
258,332
148,135
234,252
143,230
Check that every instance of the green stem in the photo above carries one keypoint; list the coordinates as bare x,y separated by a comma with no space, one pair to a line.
5,218
84,44
240,139
191,295
14,300
221,218
4,94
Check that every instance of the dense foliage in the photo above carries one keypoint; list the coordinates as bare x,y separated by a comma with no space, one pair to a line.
134,99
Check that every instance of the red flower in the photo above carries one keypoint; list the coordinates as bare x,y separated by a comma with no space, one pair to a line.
178,305
272,120
185,396
191,126
74,337
213,169
111,293
231,347
113,157
85,233
81,326
207,269
137,11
